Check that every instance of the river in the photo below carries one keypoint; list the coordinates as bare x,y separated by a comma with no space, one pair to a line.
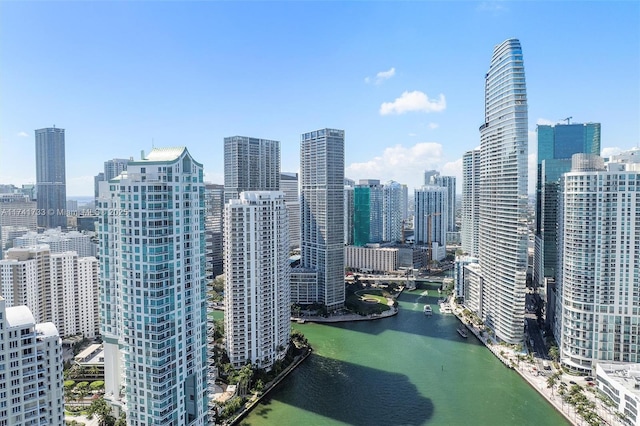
405,370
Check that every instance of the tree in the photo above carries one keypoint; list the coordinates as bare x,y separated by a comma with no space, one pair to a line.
551,382
100,408
554,353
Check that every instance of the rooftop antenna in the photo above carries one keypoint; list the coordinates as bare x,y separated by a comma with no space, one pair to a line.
568,120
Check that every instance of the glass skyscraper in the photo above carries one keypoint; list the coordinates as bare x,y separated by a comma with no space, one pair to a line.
51,179
503,193
250,164
367,212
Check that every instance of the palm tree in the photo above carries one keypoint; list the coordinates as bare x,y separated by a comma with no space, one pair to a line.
100,408
551,382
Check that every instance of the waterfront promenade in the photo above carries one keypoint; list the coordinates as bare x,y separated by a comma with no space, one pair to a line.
528,371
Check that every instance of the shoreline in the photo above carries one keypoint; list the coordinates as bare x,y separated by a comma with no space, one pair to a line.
522,372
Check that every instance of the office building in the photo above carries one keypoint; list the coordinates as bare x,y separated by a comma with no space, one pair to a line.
394,210
367,212
556,144
17,217
448,182
213,223
30,369
348,214
597,304
289,185
50,178
431,219
257,279
322,212
153,289
503,193
57,287
250,164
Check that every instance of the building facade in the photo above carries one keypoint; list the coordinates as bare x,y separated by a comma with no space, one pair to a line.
213,223
322,211
289,185
60,241
431,219
503,233
153,289
250,164
394,211
367,212
57,287
372,259
448,182
597,303
30,369
257,279
51,179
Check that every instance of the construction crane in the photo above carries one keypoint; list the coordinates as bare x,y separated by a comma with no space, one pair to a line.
568,120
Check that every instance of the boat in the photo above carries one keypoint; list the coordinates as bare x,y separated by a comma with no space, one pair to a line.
445,308
462,332
427,310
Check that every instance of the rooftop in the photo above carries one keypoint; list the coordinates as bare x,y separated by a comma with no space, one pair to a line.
20,316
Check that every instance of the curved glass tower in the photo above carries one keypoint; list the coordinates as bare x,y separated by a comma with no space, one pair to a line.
503,193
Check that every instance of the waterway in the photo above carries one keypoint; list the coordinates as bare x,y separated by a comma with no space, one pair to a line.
405,370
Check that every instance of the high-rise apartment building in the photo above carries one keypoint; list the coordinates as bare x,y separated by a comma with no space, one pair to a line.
213,223
153,291
257,279
470,201
289,185
13,220
367,212
50,178
30,369
431,207
59,241
428,176
322,211
112,168
597,304
448,182
58,287
394,206
503,193
250,164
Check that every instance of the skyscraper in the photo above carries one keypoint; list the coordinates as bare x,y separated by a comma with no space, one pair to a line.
31,366
428,175
598,310
322,211
153,289
250,164
289,185
448,182
431,218
470,201
503,192
394,206
214,225
257,273
556,145
367,212
348,213
50,178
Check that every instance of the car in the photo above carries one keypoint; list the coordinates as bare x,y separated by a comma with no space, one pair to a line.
571,382
589,379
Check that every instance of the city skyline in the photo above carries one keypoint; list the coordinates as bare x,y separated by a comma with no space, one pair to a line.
410,95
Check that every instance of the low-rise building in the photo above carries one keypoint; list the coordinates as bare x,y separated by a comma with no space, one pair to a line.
621,383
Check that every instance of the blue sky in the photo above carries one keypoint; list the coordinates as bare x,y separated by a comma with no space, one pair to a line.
405,80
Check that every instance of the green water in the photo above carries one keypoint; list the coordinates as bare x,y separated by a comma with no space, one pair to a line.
405,370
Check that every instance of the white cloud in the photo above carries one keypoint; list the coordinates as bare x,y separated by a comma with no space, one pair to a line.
402,164
413,101
491,6
214,177
381,76
609,151
433,126
413,134
545,122
23,134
